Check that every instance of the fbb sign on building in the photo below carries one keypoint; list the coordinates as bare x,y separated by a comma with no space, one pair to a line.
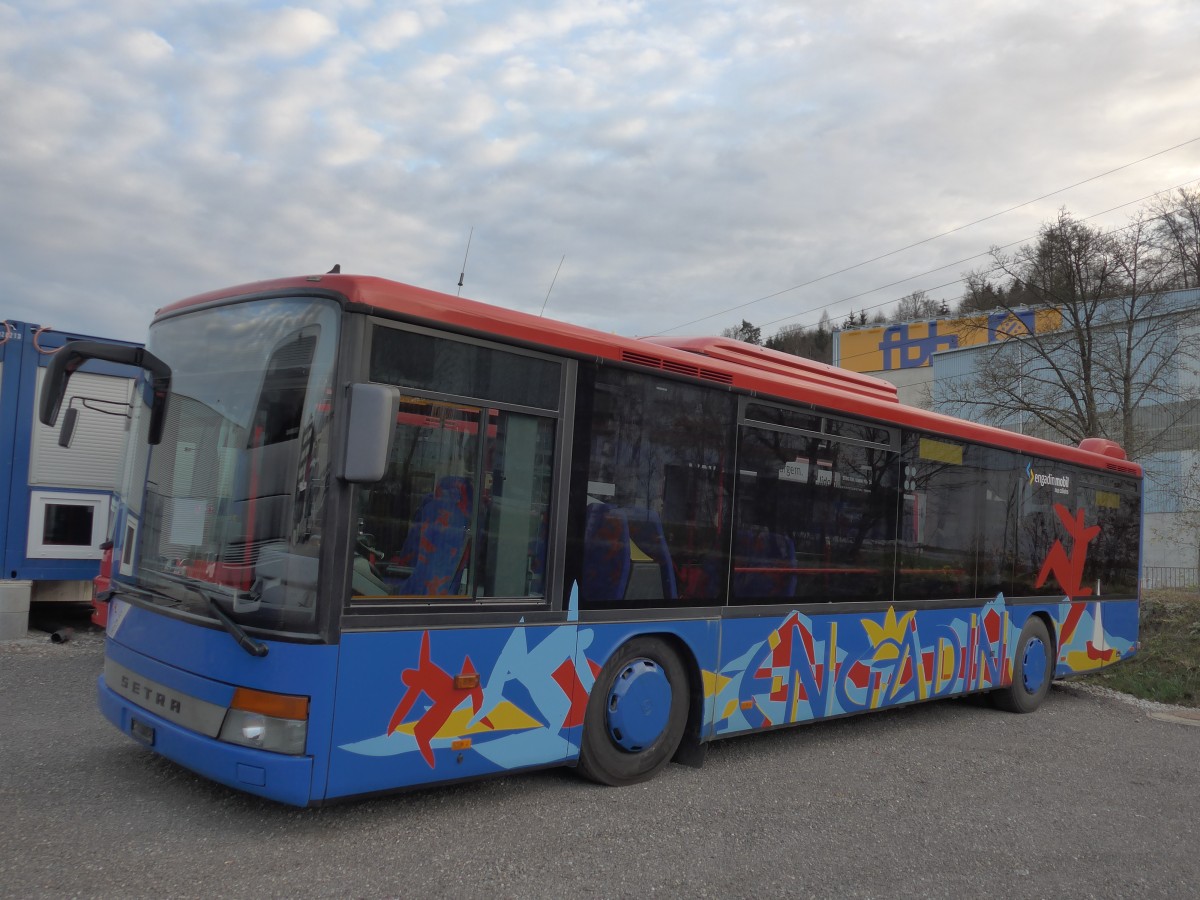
902,352
909,345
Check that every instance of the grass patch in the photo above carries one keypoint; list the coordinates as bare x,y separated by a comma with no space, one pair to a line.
1167,668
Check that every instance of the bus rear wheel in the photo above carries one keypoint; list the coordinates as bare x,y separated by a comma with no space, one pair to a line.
636,714
1033,670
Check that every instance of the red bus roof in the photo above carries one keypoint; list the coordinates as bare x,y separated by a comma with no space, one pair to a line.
718,360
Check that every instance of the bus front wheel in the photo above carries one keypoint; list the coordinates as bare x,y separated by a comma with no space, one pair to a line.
636,714
1033,670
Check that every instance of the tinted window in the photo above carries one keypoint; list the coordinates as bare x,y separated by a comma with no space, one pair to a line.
1001,476
958,524
651,522
423,362
856,431
790,418
1112,561
1051,494
815,519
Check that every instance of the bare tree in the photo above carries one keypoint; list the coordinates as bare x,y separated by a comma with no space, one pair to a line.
1177,230
915,306
1113,367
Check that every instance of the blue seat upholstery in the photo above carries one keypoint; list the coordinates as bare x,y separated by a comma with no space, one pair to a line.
760,549
610,573
443,543
407,554
606,562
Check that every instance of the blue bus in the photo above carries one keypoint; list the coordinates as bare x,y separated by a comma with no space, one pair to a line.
371,537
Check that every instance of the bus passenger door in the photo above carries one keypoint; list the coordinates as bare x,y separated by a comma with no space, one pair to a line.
453,663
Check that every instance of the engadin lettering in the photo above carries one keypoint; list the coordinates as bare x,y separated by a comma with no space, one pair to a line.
1060,483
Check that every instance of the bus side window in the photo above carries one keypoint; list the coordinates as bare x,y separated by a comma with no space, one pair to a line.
938,544
463,511
815,516
652,500
415,524
1111,567
515,511
1039,526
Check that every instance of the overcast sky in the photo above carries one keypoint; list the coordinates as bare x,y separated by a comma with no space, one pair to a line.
684,157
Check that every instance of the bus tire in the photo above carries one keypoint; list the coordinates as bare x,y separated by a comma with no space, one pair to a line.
1033,670
636,714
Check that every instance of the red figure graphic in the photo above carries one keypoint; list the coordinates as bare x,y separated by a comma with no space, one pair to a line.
436,684
1069,569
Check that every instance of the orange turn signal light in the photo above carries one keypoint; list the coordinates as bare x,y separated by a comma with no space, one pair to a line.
466,681
280,706
461,744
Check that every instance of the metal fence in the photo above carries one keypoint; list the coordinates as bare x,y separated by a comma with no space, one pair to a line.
1170,578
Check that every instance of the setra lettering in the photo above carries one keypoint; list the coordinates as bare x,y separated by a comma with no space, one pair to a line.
151,696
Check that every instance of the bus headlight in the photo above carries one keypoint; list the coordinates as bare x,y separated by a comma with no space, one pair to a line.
266,721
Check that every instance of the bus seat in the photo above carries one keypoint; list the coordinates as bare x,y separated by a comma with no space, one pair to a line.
646,531
407,554
762,549
606,562
443,543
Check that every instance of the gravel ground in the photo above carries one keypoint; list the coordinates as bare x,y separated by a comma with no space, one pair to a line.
1088,797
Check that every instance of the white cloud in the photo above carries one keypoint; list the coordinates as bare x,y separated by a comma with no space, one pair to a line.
351,141
290,32
392,30
145,47
686,157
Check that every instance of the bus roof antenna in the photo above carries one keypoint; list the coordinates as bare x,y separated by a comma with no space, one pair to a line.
552,280
463,273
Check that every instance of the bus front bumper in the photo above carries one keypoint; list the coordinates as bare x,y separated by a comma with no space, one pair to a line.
276,776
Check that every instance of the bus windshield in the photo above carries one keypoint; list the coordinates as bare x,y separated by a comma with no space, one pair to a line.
227,510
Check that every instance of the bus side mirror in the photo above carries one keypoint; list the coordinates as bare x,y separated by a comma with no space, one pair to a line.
70,418
67,360
373,409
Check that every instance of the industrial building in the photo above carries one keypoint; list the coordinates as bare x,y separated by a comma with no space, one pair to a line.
55,500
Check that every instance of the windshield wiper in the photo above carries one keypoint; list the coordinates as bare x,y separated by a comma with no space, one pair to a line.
247,643
132,590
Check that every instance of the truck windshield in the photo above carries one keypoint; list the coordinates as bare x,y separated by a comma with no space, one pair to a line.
228,508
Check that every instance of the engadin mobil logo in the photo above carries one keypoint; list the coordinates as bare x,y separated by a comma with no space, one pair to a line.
1060,483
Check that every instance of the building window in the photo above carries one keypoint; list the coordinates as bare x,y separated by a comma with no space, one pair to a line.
66,526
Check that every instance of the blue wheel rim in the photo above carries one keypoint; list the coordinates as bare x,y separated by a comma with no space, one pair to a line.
639,705
1033,665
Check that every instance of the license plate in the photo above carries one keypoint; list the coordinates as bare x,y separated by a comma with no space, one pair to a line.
142,732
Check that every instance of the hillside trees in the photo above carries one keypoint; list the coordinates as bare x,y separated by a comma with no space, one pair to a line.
811,343
747,332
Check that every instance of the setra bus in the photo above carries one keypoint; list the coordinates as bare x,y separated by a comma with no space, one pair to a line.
371,537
